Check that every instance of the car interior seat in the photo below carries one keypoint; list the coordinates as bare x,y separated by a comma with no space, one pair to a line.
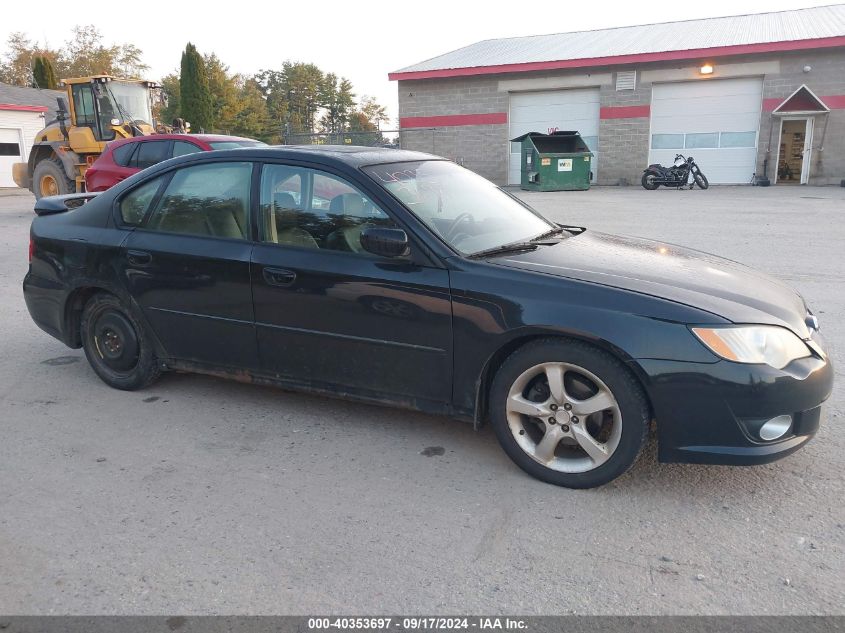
287,223
347,237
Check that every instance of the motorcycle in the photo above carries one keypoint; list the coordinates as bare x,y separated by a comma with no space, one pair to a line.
675,176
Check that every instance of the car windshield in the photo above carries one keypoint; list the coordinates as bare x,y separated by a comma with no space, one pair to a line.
235,144
133,99
470,213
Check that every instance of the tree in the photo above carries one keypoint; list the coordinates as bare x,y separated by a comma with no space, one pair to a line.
195,103
85,54
338,100
171,90
253,119
224,91
294,94
82,55
17,64
369,115
43,73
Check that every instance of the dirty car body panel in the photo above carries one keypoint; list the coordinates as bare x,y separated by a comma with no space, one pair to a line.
429,330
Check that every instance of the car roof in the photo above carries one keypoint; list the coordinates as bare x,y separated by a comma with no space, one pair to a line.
205,138
354,155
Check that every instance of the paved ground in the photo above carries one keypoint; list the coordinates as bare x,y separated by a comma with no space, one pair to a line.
206,496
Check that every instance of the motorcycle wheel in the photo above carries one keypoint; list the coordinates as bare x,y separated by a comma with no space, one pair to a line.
701,180
648,181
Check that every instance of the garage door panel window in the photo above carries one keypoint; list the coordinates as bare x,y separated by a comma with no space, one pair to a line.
738,139
667,141
10,149
704,140
699,140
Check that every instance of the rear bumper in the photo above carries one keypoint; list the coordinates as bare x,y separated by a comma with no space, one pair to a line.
711,413
45,301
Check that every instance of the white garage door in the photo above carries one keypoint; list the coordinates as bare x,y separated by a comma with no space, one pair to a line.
549,111
715,121
10,153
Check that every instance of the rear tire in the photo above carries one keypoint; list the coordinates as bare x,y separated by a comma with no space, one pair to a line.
568,413
49,179
117,345
648,181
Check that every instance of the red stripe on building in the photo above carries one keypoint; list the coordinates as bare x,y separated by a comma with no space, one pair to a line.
449,120
22,108
624,112
637,58
834,102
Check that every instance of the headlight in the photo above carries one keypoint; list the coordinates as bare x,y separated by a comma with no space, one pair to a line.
775,346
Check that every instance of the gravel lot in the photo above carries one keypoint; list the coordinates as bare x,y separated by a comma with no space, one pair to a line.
202,496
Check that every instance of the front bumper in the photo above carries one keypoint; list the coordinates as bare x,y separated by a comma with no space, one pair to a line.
710,413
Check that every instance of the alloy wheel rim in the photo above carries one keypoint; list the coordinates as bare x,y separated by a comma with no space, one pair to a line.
564,417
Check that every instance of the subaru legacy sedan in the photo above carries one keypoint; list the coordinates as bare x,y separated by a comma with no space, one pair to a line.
400,278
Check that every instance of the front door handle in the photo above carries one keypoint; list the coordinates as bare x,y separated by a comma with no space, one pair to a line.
139,258
279,277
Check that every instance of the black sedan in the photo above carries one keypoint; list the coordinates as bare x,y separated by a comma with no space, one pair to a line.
401,278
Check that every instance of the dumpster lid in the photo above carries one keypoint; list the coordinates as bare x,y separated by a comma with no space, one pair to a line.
558,134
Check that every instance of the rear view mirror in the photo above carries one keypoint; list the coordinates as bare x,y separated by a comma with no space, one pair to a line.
385,242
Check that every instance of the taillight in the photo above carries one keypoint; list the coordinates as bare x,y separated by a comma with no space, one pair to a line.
31,247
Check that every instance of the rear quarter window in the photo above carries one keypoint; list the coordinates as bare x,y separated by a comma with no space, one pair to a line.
122,154
134,205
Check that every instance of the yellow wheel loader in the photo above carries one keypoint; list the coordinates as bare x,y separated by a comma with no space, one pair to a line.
95,111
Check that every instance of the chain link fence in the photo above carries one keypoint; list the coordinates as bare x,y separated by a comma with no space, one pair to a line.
417,139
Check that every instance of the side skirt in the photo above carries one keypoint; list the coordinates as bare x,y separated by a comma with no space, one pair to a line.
322,389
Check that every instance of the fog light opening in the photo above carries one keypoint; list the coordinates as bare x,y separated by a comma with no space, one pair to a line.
775,428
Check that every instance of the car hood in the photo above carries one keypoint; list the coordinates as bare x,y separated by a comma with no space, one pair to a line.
694,278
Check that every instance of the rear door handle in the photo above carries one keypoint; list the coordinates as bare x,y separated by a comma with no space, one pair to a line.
279,277
139,258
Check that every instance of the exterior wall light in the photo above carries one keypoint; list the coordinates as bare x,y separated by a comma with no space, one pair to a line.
707,69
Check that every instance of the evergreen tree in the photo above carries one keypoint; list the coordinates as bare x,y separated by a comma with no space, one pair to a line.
44,73
195,96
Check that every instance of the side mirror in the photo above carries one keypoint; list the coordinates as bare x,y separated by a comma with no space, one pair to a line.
385,242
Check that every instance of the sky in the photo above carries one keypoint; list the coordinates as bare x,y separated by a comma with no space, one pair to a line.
358,40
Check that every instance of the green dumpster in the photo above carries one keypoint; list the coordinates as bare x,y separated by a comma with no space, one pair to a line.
560,161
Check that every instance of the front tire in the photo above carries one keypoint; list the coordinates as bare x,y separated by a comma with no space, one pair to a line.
648,181
568,413
700,180
49,179
117,345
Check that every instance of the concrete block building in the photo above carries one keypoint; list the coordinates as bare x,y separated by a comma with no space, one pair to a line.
748,96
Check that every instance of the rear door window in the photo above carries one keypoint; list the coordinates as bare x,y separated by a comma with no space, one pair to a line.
210,199
149,153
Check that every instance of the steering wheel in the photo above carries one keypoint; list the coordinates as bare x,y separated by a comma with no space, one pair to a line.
451,231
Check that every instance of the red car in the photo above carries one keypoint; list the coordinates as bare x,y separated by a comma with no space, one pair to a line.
128,156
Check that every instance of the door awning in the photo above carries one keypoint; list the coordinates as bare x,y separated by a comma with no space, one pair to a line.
802,101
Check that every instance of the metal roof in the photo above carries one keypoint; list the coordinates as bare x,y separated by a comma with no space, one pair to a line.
31,97
691,35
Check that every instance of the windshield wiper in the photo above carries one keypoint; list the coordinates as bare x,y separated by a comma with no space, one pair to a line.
515,247
544,236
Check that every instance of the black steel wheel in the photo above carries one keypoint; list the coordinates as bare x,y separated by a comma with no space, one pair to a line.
700,180
116,344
